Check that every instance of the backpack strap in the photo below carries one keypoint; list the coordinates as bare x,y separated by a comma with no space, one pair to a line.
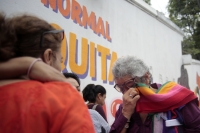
102,128
94,107
179,114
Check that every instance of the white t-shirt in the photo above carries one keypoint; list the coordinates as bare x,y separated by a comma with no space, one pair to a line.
98,121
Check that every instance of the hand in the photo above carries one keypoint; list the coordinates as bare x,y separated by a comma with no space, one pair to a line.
130,99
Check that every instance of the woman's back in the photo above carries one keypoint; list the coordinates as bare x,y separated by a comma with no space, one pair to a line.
35,107
101,126
98,108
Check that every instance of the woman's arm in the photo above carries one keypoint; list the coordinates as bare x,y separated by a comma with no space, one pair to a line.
17,67
124,113
118,125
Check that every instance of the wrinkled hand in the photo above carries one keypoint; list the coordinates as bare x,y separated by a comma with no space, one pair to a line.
43,72
130,99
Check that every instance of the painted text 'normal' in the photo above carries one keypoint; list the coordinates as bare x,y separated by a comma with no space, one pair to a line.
72,9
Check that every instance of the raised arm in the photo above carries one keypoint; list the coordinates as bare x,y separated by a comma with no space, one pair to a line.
124,113
17,67
119,123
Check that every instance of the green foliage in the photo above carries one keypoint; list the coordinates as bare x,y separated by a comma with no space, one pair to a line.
147,1
186,15
188,46
196,37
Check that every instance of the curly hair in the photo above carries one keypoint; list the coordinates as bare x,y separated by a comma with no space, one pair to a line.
129,66
21,35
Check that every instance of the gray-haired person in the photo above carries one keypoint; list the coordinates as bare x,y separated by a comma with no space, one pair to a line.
143,102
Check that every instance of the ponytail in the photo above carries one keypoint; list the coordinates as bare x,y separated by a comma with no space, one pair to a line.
91,91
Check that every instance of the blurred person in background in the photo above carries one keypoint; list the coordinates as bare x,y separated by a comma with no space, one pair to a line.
100,124
73,79
95,95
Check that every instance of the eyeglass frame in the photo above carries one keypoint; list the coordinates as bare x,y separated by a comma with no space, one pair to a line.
49,32
124,85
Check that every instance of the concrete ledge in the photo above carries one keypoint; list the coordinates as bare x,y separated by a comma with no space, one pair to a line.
195,62
156,14
186,59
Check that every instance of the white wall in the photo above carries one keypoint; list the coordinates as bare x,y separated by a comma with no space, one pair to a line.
193,71
135,29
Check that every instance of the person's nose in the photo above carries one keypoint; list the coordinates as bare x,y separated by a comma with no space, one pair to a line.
124,89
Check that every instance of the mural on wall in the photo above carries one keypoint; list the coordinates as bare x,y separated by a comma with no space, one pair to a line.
197,89
183,79
90,51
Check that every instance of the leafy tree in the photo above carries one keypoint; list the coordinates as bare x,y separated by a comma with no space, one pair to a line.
186,15
196,37
147,1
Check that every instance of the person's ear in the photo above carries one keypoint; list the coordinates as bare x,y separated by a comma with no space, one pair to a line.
47,57
99,95
148,77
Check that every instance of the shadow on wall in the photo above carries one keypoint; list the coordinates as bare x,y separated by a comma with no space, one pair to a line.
197,89
184,80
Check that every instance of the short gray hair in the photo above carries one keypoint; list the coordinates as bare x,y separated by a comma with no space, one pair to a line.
129,66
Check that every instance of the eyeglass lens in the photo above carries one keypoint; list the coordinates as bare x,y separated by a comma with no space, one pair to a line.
127,85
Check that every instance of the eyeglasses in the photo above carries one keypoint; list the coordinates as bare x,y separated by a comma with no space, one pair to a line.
127,84
60,32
